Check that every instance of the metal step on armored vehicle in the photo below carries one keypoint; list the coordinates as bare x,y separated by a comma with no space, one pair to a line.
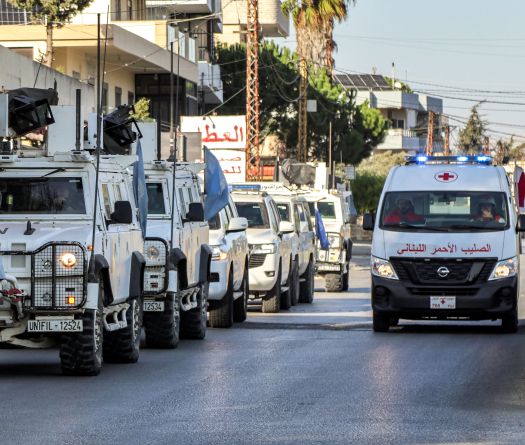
229,278
293,207
71,246
177,254
333,263
270,263
445,243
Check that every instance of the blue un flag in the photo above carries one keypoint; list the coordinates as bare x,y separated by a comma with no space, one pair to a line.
139,187
215,186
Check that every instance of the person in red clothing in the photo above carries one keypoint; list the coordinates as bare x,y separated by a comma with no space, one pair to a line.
403,213
487,211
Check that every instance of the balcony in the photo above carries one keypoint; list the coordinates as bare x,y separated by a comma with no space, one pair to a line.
399,139
210,79
167,7
272,21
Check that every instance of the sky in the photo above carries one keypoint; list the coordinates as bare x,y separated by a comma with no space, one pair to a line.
464,51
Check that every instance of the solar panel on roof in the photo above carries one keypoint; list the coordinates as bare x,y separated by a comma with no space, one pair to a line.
363,81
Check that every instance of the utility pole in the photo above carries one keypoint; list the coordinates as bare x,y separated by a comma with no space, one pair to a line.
252,91
430,135
447,141
302,146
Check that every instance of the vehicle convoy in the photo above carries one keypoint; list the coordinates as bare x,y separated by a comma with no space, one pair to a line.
57,285
445,243
333,264
229,277
270,263
294,208
176,273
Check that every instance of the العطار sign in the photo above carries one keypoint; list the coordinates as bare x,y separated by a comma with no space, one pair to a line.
217,131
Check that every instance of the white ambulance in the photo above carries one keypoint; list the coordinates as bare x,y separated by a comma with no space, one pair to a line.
445,243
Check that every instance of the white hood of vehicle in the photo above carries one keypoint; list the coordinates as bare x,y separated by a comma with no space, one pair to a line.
45,232
260,236
159,228
386,244
216,237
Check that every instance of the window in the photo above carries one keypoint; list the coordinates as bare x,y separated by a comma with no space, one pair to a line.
297,208
155,198
284,212
118,97
274,216
311,207
215,222
107,200
326,209
131,98
398,123
256,214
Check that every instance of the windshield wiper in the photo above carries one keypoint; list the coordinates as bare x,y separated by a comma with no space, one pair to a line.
472,226
52,172
403,225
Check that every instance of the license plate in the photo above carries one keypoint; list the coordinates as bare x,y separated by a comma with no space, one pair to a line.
154,306
328,267
53,325
442,302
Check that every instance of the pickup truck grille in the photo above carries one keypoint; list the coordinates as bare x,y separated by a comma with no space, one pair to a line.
256,260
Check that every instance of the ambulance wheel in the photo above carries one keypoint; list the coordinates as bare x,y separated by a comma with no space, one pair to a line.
272,300
193,322
81,353
306,288
334,282
222,315
240,306
380,322
509,323
162,328
123,345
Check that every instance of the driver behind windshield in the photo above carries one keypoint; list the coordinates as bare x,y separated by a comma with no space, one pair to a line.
487,211
403,213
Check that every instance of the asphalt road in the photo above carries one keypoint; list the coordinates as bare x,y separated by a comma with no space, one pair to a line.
316,374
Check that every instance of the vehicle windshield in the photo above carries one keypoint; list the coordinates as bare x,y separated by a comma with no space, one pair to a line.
255,213
326,209
215,222
449,211
311,207
155,199
42,195
284,212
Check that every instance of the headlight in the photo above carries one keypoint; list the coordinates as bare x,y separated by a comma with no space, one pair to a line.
264,248
152,253
382,268
218,254
335,241
68,260
505,269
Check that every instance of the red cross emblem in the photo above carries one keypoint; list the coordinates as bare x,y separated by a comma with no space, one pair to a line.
445,176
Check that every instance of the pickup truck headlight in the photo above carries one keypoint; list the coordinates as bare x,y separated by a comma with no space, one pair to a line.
68,260
152,253
334,240
382,268
505,269
217,253
264,248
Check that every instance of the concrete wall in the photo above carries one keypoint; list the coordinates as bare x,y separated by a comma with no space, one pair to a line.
18,71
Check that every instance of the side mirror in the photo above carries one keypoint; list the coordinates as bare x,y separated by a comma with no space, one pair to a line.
195,212
123,213
368,221
520,226
286,227
237,225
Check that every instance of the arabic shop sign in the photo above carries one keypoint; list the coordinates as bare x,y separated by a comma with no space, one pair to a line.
233,163
217,131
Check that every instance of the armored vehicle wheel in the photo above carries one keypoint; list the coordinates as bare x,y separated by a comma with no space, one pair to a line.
306,289
272,300
123,346
162,329
286,297
334,282
295,284
380,323
345,279
222,315
193,323
509,323
81,353
240,306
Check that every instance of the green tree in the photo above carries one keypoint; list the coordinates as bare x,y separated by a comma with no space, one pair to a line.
471,137
142,110
366,190
381,163
54,14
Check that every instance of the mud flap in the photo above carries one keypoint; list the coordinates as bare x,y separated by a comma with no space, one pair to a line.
136,276
205,264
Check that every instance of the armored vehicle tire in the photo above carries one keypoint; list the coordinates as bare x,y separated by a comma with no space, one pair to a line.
240,306
286,297
380,322
193,322
272,300
81,353
222,315
295,284
345,279
123,345
334,282
306,288
162,328
509,323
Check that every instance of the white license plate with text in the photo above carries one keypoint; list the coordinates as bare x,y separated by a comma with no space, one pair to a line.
54,325
442,302
154,306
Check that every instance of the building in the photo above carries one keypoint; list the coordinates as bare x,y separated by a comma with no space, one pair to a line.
408,112
272,21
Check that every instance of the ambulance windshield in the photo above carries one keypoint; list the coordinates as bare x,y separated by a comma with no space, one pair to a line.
445,211
41,195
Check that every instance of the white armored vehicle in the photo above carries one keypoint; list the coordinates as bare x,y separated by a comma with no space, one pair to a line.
57,286
176,274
